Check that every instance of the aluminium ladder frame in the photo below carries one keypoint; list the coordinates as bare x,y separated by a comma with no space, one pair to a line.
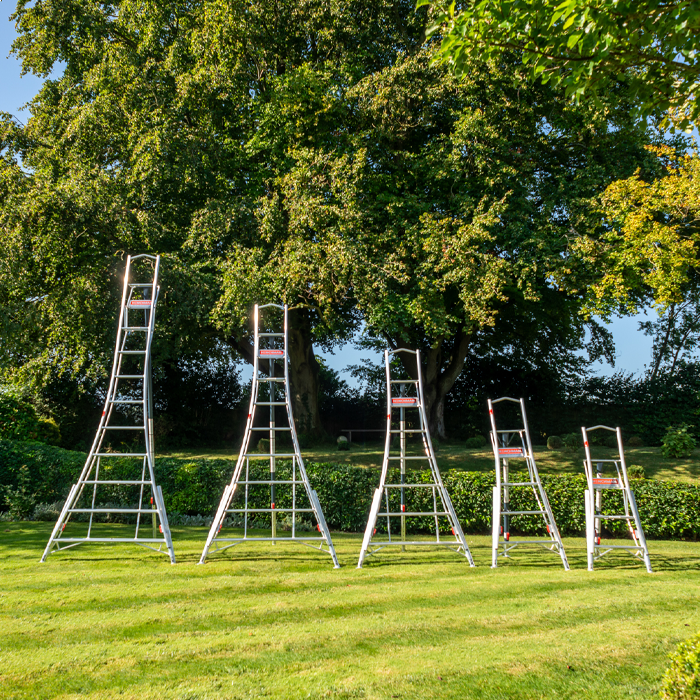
503,453
269,354
137,297
593,499
402,402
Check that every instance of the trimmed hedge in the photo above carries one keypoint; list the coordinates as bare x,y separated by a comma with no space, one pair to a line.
193,487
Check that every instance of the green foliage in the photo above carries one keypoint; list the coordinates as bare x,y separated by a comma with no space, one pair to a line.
635,471
343,443
20,499
682,678
634,441
194,487
571,442
263,445
586,46
19,420
554,442
476,442
678,442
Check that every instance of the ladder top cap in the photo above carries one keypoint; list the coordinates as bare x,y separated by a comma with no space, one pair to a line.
397,350
505,398
273,306
601,427
144,255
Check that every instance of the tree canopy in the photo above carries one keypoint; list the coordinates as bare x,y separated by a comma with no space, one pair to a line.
585,45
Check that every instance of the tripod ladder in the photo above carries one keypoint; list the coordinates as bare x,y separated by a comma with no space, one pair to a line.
286,491
397,497
507,447
121,482
597,483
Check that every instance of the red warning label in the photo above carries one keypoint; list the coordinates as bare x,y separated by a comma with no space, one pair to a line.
140,303
404,401
271,352
510,452
602,483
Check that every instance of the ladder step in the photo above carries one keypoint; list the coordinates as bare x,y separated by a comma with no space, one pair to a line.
120,454
270,403
131,352
416,430
265,455
110,510
128,376
428,514
515,430
268,429
270,335
269,483
269,510
522,512
404,381
270,379
109,539
132,401
123,427
117,483
519,483
135,328
614,517
410,486
410,457
140,284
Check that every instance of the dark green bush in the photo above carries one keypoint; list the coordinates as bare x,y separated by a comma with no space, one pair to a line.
635,471
682,678
20,421
476,442
572,442
678,442
635,441
193,487
554,442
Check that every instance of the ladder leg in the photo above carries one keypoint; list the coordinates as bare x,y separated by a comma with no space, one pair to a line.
371,524
496,523
640,531
590,528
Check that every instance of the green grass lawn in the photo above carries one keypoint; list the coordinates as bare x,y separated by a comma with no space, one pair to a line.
280,622
453,455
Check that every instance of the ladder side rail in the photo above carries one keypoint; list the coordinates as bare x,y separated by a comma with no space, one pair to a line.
427,440
230,489
494,444
640,532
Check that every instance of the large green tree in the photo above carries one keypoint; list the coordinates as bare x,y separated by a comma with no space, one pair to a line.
585,46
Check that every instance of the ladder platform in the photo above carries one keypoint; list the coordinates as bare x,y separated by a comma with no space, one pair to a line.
120,454
411,514
268,510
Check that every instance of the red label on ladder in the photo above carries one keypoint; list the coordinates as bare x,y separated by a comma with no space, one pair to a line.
270,352
510,452
404,401
139,303
606,483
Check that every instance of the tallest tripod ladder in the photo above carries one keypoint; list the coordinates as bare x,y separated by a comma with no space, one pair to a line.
285,491
124,475
513,443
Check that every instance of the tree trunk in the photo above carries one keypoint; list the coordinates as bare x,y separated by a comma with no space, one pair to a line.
303,371
437,381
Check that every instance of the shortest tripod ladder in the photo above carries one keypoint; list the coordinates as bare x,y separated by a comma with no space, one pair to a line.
594,503
396,495
285,490
507,447
117,481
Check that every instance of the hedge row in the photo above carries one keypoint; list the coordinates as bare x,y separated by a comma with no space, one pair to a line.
194,487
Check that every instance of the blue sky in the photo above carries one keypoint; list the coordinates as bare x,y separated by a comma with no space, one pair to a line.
633,349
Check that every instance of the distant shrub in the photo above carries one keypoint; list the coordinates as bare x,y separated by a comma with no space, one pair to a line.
635,471
682,678
264,445
611,441
572,442
678,442
476,442
343,444
554,442
20,421
635,441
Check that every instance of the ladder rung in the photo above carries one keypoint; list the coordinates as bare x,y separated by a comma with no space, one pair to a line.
266,455
128,376
391,543
268,429
515,430
271,379
268,510
131,352
270,403
123,427
120,454
410,486
416,430
519,483
614,517
429,514
404,381
108,539
522,512
110,510
135,328
117,483
410,457
132,401
140,284
271,335
268,483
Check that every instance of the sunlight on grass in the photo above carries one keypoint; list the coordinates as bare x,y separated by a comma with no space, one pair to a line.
264,621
